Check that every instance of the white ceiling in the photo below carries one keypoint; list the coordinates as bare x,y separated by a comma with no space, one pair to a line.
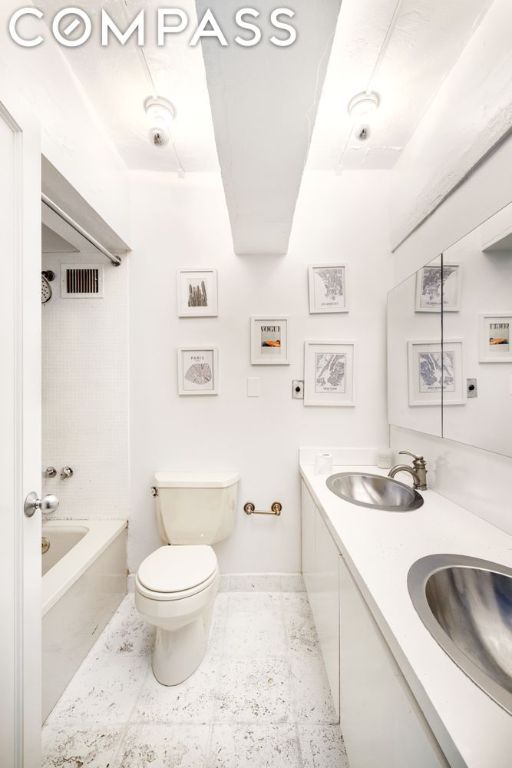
116,82
264,99
425,42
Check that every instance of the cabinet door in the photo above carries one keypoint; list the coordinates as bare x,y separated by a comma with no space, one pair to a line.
309,511
320,565
381,722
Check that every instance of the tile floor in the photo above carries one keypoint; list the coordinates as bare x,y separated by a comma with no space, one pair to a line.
260,698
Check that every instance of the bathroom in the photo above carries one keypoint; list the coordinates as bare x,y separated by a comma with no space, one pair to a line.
239,565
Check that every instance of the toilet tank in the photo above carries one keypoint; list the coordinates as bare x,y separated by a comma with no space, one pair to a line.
195,508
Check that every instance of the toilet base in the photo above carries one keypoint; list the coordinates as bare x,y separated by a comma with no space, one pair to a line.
178,653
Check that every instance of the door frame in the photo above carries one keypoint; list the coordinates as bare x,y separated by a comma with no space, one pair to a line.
24,367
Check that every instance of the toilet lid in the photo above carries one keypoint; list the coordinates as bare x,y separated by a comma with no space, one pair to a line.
177,568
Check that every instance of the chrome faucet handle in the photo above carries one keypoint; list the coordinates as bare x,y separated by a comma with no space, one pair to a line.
413,455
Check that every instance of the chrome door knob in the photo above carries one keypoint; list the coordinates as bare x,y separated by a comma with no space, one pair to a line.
47,504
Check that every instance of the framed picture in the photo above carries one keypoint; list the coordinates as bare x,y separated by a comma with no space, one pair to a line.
329,373
434,281
435,373
197,292
328,288
269,340
495,342
198,371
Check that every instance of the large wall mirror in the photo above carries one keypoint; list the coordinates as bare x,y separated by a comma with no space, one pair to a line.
415,375
450,342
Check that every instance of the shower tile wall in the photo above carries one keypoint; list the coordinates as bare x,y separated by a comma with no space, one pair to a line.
86,393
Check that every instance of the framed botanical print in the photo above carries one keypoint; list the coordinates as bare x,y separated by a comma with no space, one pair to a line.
197,292
495,342
436,283
329,373
269,340
198,370
327,288
435,373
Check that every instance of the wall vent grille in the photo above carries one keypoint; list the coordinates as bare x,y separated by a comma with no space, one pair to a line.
81,281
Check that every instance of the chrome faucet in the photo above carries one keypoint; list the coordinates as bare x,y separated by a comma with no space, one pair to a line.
418,471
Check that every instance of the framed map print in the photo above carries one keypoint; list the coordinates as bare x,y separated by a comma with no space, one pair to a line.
327,288
435,373
436,284
329,373
198,371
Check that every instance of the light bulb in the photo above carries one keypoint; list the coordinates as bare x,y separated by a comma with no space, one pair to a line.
160,113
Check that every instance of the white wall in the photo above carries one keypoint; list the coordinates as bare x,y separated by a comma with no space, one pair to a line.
477,480
471,112
85,393
72,137
182,223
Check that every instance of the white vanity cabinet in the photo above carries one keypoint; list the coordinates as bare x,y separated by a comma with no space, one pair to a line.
320,565
382,724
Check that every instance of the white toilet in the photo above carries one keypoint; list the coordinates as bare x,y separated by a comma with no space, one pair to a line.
175,586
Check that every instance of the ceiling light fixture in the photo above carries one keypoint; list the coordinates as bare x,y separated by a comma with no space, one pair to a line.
363,104
361,107
160,113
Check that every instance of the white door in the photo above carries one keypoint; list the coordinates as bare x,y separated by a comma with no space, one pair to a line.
20,432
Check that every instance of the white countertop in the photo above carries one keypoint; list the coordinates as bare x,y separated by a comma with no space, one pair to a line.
379,548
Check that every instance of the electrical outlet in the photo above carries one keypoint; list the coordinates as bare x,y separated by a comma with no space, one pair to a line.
471,388
298,389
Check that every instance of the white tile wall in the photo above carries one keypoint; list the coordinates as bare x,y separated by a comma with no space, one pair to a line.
85,394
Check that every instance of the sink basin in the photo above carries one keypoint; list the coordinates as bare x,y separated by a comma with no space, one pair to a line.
374,491
466,604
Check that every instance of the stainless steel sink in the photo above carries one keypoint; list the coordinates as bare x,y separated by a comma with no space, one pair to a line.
466,604
374,491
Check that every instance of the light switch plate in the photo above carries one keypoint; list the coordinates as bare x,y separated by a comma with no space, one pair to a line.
253,386
298,389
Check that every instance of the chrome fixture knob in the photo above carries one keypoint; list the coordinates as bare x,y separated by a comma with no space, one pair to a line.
47,504
50,472
66,472
412,455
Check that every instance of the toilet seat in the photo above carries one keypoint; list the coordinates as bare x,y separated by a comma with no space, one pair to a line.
177,572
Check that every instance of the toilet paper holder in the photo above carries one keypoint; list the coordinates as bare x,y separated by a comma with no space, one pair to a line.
275,509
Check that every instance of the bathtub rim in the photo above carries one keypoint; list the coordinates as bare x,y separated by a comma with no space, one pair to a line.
58,579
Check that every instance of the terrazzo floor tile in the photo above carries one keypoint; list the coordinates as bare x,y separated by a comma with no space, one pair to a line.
160,746
322,746
273,746
191,702
260,697
259,639
254,691
77,748
299,624
310,689
104,690
127,633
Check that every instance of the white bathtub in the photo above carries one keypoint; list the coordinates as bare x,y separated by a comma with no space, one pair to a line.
84,580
